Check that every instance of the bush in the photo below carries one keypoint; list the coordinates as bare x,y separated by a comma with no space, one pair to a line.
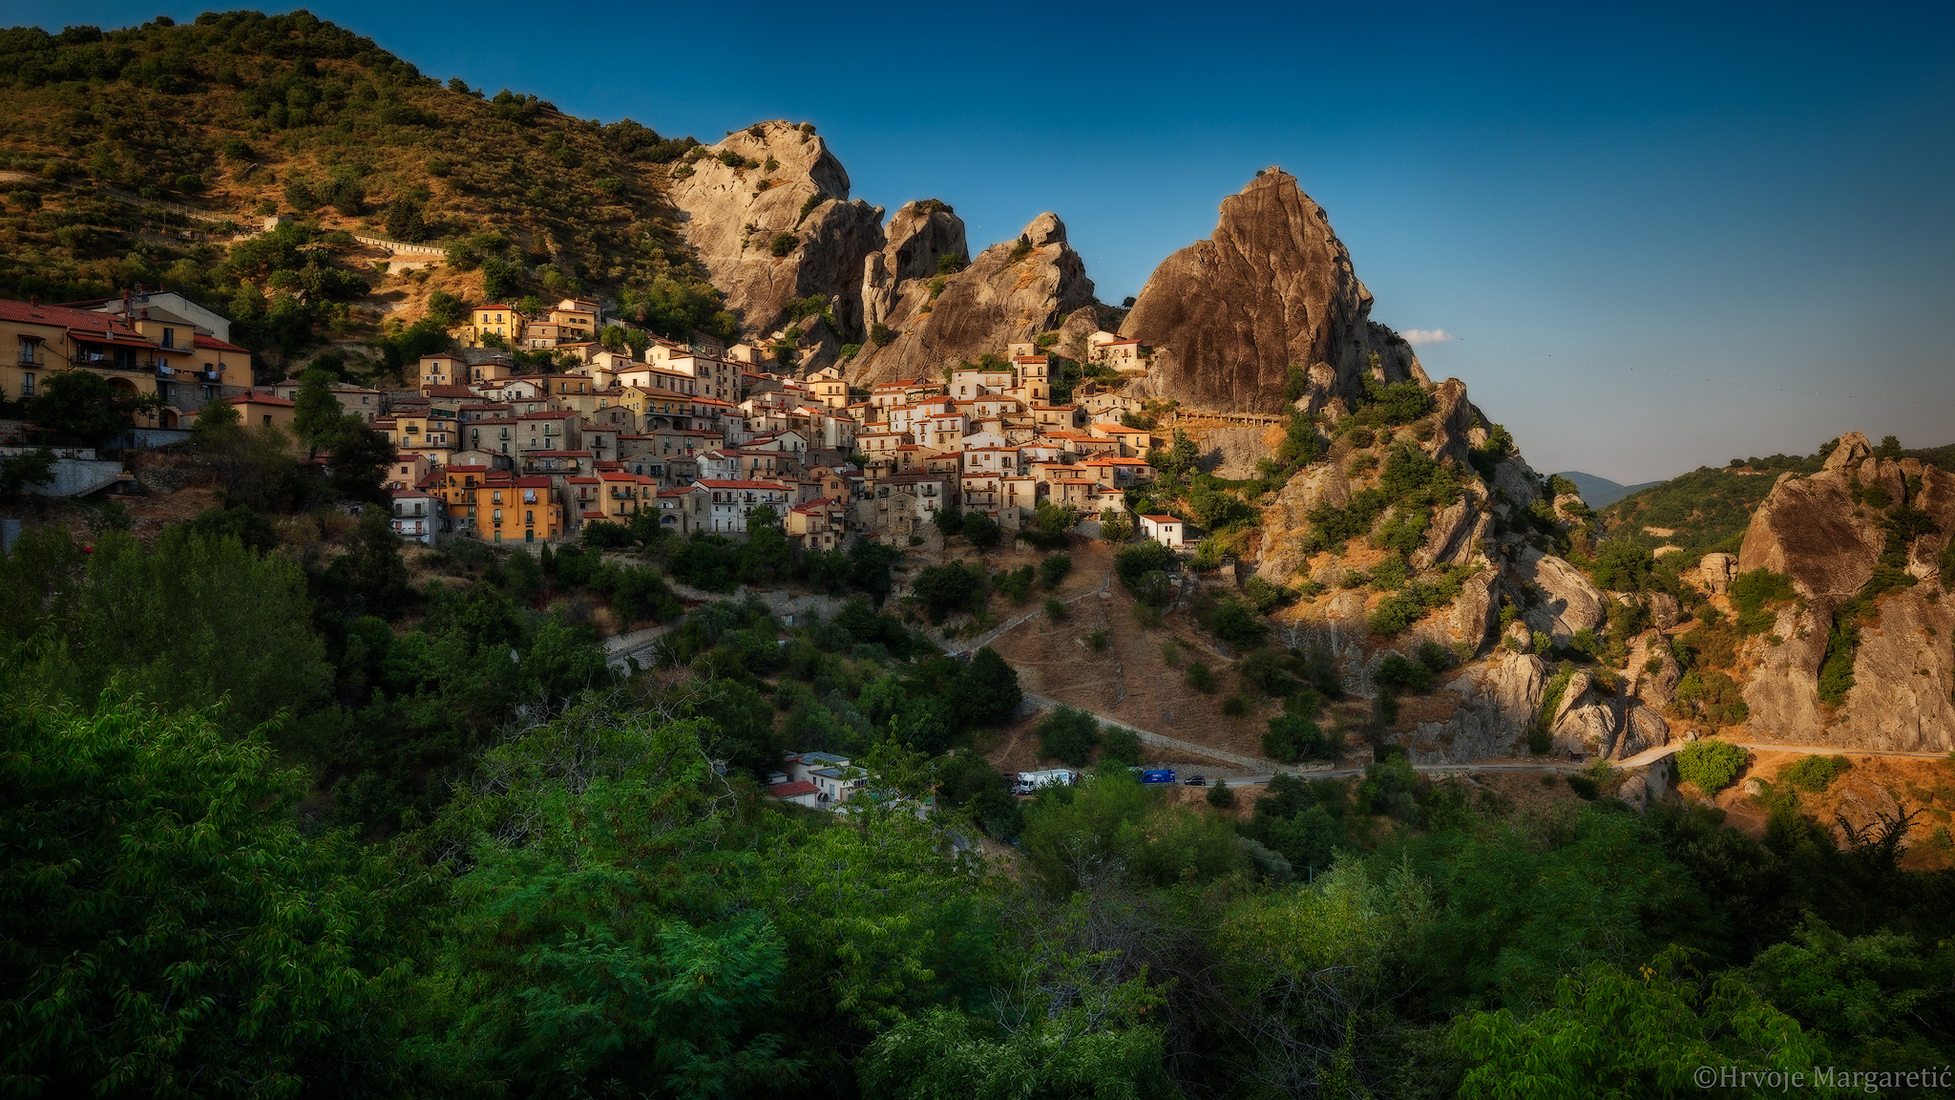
1753,592
1119,746
1711,765
1069,736
1055,610
1220,796
782,244
1815,773
1200,677
1295,735
1236,622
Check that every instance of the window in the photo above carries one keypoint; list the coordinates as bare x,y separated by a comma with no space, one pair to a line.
28,346
529,518
169,337
27,384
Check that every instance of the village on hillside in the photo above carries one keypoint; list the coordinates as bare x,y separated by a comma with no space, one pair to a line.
698,436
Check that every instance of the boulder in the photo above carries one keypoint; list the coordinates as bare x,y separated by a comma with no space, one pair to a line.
1717,571
1567,603
1273,287
1810,529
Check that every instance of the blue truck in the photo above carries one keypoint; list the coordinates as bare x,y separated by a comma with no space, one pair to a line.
1157,775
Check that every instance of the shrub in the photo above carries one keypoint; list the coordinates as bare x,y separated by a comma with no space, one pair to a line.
1815,773
1119,746
1069,736
1054,569
1236,622
1055,610
1200,677
1295,735
1220,796
1711,765
782,244
1752,592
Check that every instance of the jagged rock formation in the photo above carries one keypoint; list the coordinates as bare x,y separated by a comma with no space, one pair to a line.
1494,706
1013,290
924,239
1823,533
1567,603
1273,287
776,224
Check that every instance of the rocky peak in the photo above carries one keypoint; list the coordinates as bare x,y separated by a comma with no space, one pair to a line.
920,237
768,213
1849,451
1272,287
1013,290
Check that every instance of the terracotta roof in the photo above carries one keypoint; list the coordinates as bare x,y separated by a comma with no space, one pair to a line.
791,790
214,343
1160,519
742,485
256,397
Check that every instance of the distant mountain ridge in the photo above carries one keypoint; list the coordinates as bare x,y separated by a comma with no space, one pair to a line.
1600,492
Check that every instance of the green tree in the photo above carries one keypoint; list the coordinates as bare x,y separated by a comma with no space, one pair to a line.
1068,736
986,692
980,530
218,428
185,938
316,415
24,471
83,408
1711,765
186,623
1641,1034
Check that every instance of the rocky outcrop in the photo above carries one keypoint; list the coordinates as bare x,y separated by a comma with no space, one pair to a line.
1825,533
1496,701
1011,291
1564,603
1716,571
768,212
1273,287
1592,722
925,239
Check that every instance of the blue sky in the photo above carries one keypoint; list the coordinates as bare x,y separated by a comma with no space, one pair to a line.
1657,236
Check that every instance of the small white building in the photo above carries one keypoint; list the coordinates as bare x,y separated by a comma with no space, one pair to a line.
835,780
416,516
1166,530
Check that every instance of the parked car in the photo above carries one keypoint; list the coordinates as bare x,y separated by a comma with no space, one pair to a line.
1195,781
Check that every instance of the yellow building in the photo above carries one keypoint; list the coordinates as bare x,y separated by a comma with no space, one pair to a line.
37,341
497,320
517,510
258,409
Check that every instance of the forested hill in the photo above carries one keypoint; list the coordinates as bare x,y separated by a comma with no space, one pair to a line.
252,115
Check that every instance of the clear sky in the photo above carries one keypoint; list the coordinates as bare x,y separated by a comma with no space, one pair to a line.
1655,237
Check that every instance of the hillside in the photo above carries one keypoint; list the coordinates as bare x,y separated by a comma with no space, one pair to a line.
291,116
1701,512
1600,492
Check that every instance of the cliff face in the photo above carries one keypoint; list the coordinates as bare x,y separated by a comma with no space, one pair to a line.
1829,533
1272,287
924,239
1013,290
768,212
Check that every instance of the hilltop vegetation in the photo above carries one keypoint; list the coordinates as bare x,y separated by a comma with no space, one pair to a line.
251,115
1706,510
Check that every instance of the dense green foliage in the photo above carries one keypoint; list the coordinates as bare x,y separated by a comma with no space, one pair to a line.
1711,765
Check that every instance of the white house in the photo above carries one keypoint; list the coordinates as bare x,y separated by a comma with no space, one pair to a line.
1165,530
416,516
